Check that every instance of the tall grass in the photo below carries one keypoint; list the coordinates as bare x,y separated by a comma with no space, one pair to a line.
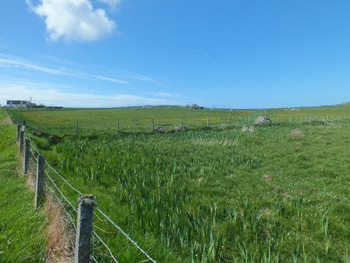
218,195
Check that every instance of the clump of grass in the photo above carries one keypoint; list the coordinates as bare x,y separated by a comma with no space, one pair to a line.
58,233
296,134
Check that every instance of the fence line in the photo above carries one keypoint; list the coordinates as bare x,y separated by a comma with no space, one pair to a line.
33,152
205,121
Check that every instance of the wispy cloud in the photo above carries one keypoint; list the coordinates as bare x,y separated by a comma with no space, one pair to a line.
74,20
142,78
7,61
112,79
50,95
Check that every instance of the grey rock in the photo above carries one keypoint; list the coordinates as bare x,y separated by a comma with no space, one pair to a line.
262,119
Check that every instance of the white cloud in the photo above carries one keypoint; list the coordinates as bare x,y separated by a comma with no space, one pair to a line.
52,96
73,20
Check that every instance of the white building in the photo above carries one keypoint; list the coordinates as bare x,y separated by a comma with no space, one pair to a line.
17,103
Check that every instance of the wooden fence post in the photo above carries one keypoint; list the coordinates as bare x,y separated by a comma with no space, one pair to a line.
39,189
76,128
26,155
152,124
207,121
21,141
118,125
182,122
84,228
18,132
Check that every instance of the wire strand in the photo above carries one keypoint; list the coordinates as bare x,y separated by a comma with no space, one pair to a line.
77,191
126,235
103,243
61,192
35,158
94,259
66,211
34,148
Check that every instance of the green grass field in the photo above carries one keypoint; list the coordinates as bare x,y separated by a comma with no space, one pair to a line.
242,193
22,229
138,119
131,119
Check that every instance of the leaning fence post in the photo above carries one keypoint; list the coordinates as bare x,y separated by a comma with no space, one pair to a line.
39,189
26,155
84,228
21,141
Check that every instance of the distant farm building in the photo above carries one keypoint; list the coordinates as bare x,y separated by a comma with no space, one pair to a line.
17,103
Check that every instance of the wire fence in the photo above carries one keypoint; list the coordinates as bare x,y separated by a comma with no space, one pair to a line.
188,123
54,185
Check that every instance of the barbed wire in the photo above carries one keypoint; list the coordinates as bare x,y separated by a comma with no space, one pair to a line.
77,191
34,148
36,159
94,259
103,243
61,192
126,235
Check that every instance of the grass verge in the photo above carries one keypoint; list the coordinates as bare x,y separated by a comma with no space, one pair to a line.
22,235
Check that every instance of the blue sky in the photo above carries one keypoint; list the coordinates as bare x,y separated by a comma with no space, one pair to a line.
227,53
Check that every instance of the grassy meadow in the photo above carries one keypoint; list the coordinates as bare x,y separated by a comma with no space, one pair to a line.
231,192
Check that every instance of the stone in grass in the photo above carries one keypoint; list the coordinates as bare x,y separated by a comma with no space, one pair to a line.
262,119
180,128
159,128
